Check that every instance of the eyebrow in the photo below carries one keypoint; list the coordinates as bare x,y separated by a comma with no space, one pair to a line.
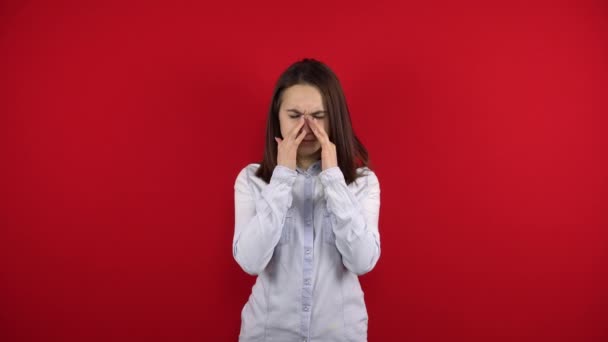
313,113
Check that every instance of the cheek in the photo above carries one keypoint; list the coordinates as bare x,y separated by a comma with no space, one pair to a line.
326,126
284,128
288,127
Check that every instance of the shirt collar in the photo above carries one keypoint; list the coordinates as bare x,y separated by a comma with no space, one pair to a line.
314,169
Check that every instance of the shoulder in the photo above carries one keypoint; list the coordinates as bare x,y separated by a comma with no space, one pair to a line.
247,177
247,172
367,178
367,174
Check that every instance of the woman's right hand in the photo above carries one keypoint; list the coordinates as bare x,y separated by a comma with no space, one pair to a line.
288,147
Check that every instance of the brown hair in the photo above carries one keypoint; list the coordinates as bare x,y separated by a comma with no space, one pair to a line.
351,153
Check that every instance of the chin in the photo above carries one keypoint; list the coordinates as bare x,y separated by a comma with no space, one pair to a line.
308,151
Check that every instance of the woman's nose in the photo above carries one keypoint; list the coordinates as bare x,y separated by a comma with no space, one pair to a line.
306,124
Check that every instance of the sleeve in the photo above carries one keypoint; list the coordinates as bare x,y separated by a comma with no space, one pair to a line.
259,222
355,219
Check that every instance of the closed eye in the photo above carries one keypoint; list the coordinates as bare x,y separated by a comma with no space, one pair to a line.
316,116
294,113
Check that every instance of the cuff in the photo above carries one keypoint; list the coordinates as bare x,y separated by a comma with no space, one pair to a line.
283,174
331,175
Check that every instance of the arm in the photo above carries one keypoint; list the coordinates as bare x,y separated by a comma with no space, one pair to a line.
356,220
258,223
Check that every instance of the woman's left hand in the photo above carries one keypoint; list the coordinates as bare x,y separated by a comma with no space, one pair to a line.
329,158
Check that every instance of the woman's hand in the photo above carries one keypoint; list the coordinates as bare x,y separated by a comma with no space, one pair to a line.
329,158
288,148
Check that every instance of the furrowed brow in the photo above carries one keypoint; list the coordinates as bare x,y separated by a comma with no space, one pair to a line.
293,110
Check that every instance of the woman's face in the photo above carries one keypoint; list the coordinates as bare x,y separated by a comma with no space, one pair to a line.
299,100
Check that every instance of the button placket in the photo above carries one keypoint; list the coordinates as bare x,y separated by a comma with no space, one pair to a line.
308,255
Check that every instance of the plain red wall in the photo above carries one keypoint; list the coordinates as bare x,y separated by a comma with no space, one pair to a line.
123,127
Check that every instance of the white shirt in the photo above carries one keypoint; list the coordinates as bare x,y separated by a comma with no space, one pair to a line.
306,235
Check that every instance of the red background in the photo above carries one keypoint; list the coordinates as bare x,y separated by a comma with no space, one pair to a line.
123,127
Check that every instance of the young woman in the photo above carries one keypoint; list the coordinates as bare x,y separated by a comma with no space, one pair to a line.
307,217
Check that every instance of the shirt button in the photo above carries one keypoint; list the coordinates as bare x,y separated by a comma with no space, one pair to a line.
306,308
307,250
306,281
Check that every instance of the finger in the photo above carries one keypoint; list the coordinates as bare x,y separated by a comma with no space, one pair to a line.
300,137
318,131
294,133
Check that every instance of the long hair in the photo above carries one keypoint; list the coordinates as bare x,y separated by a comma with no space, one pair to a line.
351,153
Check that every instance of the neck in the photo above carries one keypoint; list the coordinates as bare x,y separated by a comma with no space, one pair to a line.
304,163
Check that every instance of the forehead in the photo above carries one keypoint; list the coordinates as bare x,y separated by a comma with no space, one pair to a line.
302,97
